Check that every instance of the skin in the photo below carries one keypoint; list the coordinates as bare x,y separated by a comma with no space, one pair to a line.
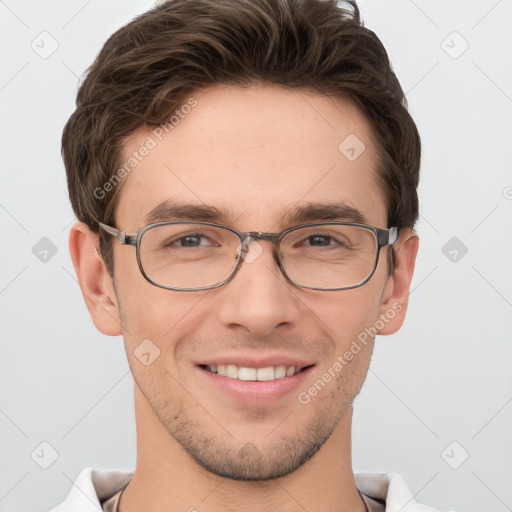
256,154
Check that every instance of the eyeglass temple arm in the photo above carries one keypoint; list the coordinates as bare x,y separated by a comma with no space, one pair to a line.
120,235
387,236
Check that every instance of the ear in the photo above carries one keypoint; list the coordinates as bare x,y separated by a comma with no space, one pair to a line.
95,282
396,293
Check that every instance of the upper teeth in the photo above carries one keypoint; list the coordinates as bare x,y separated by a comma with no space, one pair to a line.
243,373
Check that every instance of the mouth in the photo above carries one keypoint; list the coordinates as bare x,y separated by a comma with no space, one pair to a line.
254,379
244,373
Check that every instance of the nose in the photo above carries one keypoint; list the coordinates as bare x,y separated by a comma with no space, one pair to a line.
259,299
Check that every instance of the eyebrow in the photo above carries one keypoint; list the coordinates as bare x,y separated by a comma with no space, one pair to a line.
311,212
173,210
324,212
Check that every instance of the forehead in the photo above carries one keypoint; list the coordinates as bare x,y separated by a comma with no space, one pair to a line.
256,154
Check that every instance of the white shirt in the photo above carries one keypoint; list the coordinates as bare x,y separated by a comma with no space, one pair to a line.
97,488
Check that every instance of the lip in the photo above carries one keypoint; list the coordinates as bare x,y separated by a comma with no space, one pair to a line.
255,392
262,361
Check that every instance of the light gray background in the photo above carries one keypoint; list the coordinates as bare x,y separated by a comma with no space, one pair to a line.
445,377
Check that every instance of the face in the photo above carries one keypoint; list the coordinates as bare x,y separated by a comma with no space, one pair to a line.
255,155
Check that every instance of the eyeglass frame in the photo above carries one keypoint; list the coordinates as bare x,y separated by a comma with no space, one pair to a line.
384,238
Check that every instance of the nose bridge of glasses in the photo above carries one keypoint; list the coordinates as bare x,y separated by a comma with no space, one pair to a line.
257,236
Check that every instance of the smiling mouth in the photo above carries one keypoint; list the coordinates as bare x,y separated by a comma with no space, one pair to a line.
231,371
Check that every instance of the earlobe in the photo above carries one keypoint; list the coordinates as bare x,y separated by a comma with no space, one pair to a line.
95,282
396,296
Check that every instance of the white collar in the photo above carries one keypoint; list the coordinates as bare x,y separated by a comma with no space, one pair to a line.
94,486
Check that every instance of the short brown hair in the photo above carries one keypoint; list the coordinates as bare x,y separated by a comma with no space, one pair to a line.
150,66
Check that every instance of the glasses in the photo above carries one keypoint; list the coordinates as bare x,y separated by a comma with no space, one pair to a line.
192,256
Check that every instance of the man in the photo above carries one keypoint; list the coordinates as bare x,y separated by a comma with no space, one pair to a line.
244,174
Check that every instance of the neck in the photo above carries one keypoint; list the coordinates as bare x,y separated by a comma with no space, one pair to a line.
167,478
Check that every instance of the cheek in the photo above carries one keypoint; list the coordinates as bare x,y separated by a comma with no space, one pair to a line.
142,304
346,313
155,320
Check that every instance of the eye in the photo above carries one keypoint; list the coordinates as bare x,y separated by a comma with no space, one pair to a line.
190,240
319,240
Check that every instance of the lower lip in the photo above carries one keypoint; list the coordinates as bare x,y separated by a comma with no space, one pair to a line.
256,392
